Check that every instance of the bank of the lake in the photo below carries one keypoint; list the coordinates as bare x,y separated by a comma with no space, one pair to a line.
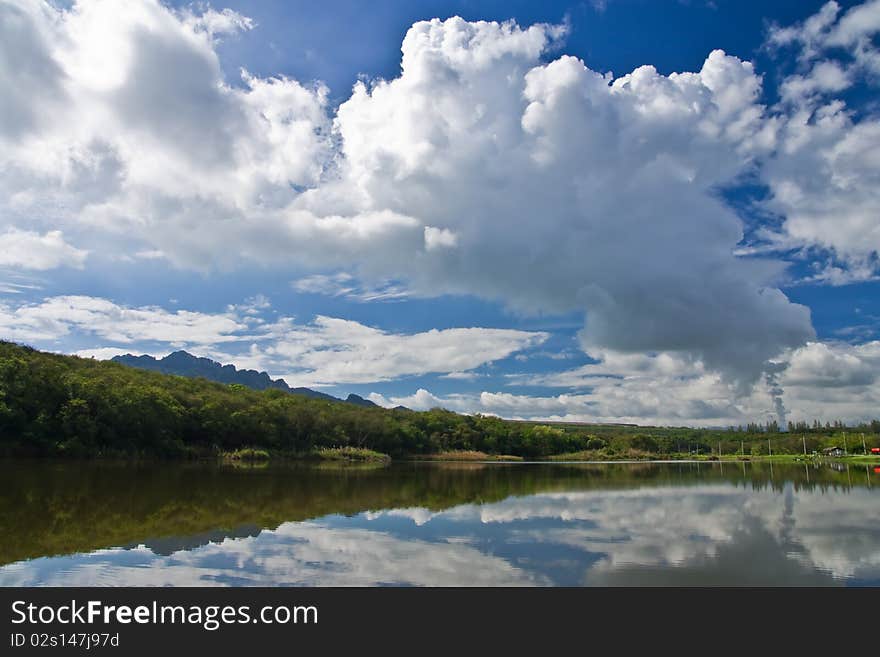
53,405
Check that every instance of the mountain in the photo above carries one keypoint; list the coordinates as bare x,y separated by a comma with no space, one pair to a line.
184,363
360,401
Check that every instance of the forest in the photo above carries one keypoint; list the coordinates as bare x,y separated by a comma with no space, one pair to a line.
57,405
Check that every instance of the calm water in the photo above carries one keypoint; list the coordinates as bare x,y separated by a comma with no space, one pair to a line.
438,524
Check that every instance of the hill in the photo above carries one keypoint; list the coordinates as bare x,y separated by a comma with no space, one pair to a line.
183,363
53,404
57,405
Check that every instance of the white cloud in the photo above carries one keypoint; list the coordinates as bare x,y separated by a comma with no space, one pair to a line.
330,351
673,530
11,287
825,184
684,535
439,238
463,376
30,250
117,123
106,353
150,254
637,401
343,284
56,317
855,270
326,351
824,366
826,381
334,285
825,175
421,400
486,167
825,77
216,23
568,192
307,553
810,33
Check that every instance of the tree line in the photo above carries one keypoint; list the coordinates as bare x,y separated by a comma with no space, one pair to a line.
56,405
802,426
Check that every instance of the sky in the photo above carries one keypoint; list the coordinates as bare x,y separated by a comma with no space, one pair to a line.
656,212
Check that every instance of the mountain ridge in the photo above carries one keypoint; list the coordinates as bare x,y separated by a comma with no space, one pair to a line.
183,363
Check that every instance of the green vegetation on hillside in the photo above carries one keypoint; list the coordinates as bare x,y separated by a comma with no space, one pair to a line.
63,405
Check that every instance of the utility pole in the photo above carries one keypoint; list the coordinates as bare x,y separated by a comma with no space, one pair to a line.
769,449
804,436
845,453
864,447
742,446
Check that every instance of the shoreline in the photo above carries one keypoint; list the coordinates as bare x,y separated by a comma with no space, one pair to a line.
344,456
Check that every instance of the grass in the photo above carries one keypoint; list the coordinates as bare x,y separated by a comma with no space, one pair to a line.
812,458
637,455
468,455
251,455
247,454
349,454
586,455
859,458
604,455
348,466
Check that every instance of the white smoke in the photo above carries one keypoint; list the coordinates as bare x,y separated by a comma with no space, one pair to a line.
772,370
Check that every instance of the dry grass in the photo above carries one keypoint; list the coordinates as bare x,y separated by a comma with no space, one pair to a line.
470,456
349,454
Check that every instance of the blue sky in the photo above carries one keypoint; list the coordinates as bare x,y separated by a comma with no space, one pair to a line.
336,42
493,227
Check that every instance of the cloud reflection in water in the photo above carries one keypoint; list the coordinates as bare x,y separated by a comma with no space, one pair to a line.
701,535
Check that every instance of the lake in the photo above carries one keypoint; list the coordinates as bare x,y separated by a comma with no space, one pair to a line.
438,524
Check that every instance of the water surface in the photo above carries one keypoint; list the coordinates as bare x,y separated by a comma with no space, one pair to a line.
85,524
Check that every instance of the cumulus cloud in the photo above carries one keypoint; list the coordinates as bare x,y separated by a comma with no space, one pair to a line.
30,250
643,401
828,28
487,167
420,400
481,169
821,366
819,380
567,190
117,119
826,184
825,173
